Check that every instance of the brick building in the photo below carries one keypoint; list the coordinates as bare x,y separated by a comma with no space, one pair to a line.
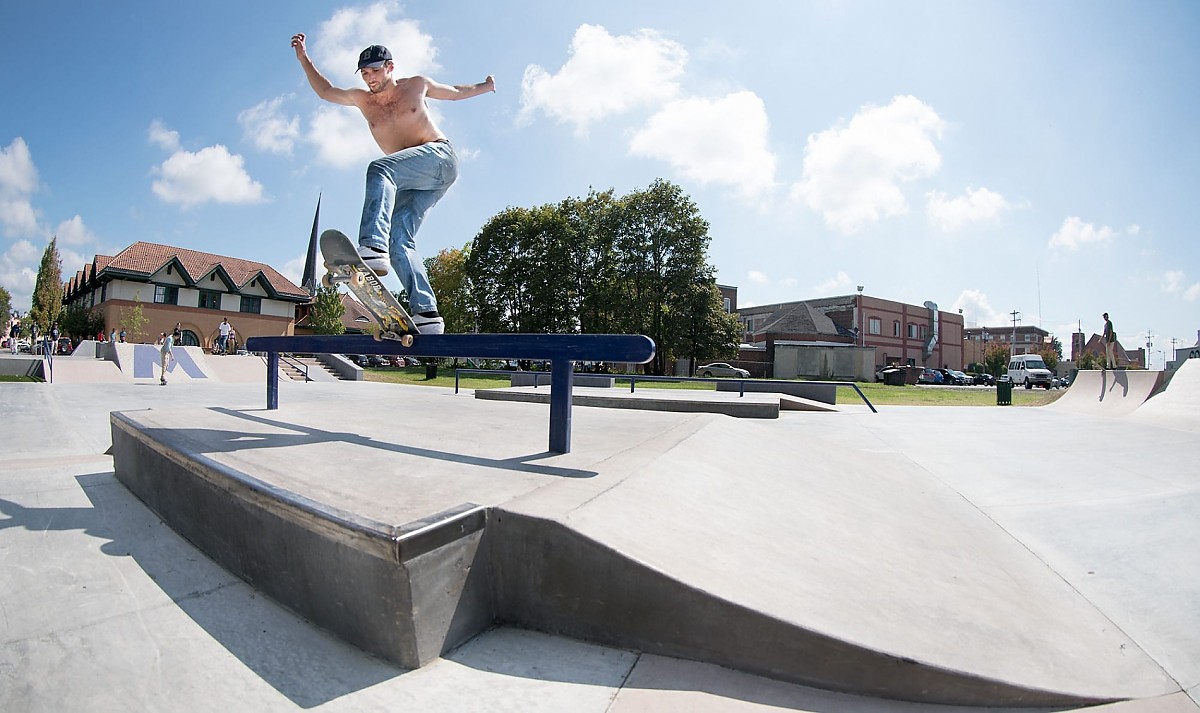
193,289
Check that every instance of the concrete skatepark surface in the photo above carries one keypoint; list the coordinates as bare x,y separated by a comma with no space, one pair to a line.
1115,392
1056,563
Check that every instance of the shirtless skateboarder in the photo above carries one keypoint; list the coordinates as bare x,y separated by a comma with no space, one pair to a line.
417,169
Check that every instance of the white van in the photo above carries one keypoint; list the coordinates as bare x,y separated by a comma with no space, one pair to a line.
1030,370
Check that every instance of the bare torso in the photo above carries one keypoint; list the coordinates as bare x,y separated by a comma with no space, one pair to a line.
398,116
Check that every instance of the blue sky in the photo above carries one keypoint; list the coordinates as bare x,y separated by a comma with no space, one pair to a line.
988,156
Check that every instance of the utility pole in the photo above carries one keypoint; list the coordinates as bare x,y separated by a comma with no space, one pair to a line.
1174,356
1149,343
1012,347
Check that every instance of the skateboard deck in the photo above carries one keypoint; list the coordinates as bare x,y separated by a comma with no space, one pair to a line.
344,266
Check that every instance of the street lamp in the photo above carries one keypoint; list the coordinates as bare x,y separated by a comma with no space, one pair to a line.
861,319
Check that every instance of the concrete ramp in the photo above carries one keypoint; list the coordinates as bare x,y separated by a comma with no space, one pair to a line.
1177,405
697,536
1115,392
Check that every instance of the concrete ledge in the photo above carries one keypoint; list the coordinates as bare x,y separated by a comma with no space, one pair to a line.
676,401
527,378
404,592
825,393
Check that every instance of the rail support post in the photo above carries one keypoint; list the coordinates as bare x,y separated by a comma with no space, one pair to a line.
561,381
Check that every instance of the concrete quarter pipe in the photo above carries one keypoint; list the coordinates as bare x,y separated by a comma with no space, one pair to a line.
1109,393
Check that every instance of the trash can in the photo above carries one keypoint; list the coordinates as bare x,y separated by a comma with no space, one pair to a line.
893,377
1004,391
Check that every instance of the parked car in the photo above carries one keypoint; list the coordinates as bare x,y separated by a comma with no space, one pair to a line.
721,369
376,361
957,378
930,376
984,380
359,359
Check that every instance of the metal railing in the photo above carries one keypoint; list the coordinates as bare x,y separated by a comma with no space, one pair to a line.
634,378
296,364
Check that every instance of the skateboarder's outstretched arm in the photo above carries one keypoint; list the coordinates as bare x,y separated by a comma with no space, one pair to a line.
437,90
322,86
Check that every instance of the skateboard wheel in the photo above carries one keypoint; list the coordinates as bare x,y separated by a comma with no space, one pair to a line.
327,280
406,340
358,278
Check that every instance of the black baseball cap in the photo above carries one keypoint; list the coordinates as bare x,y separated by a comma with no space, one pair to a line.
373,56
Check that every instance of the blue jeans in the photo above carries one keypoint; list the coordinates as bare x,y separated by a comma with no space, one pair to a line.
401,188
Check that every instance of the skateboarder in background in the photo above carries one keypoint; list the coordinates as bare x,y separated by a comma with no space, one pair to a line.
1110,344
167,341
417,170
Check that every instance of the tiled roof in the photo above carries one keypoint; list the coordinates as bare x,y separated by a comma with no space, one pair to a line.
147,258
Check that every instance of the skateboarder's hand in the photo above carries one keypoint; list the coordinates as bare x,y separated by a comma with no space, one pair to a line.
298,44
490,83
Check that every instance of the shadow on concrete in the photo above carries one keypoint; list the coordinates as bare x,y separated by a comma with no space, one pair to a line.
1119,378
222,441
307,665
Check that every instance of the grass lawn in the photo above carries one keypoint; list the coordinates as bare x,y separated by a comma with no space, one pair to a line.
31,379
879,394
944,395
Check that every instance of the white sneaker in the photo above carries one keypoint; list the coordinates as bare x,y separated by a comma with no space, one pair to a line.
376,260
429,323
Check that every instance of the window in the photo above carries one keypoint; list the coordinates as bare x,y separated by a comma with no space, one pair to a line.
896,328
209,300
727,303
912,331
874,325
251,305
166,295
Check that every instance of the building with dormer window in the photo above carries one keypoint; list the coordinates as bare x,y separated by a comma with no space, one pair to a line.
192,289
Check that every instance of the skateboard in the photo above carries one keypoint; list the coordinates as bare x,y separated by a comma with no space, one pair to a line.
344,266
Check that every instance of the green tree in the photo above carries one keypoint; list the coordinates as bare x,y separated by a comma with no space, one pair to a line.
603,265
662,245
133,320
448,277
327,311
47,289
5,304
80,323
1050,357
995,359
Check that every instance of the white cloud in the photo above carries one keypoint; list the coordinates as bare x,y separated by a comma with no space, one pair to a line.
758,278
163,137
74,232
950,214
343,36
693,136
604,76
833,284
17,273
341,137
268,129
1075,234
853,172
977,311
210,174
1174,282
18,181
